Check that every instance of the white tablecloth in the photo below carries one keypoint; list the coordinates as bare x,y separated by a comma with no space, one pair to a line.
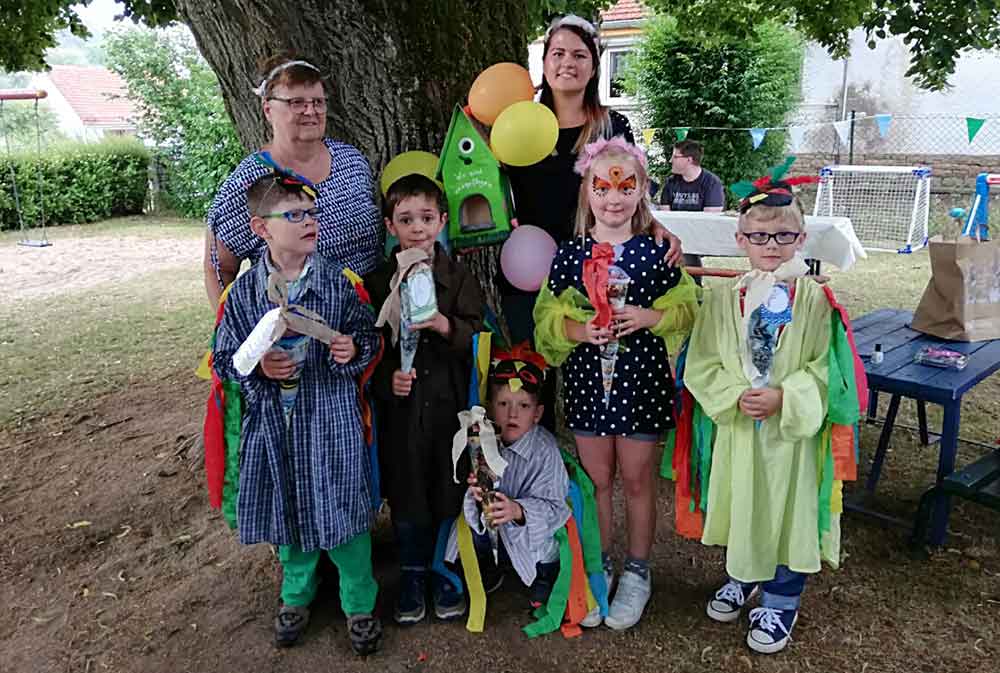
828,239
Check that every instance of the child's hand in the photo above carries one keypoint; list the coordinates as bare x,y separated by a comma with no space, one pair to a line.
503,510
761,403
277,365
474,488
633,318
402,382
438,323
587,333
343,349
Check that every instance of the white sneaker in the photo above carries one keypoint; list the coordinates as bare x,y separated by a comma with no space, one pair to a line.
630,600
593,618
728,602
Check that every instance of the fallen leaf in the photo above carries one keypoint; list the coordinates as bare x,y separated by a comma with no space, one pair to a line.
108,594
78,524
125,531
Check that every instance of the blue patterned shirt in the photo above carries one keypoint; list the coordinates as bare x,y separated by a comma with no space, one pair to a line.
350,228
307,483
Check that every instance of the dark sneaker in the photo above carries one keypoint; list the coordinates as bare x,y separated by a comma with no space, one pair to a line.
289,624
412,604
545,578
365,632
449,602
728,602
770,629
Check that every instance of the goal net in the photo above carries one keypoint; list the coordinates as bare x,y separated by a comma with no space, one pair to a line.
888,205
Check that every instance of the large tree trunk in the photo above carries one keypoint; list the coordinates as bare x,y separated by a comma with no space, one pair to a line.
393,70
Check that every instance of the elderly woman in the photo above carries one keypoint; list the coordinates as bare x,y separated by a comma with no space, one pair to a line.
294,104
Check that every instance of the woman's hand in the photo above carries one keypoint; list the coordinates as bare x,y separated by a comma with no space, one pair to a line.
474,488
633,318
674,252
402,382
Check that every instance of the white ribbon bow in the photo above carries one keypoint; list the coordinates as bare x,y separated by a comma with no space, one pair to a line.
487,441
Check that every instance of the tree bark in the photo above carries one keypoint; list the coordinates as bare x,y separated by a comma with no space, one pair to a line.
393,70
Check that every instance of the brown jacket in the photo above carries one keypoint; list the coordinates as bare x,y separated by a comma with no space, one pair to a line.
415,432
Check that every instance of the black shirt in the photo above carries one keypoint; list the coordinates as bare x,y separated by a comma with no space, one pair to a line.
546,193
705,191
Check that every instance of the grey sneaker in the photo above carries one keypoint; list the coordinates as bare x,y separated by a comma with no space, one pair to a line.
289,624
629,602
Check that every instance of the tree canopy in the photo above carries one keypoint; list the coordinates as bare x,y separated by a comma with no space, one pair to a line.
936,31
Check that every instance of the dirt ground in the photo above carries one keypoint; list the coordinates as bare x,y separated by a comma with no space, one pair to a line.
74,264
110,560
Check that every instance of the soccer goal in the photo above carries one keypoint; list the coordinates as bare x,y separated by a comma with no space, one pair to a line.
888,205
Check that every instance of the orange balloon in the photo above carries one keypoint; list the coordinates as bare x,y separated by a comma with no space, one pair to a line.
497,88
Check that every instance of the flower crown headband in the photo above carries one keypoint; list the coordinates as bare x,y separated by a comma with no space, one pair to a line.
262,87
592,151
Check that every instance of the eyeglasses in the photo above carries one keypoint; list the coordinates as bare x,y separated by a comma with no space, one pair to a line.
298,105
297,215
763,238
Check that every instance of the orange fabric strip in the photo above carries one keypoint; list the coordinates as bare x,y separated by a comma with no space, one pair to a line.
576,606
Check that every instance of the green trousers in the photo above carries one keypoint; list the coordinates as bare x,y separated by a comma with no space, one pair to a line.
353,559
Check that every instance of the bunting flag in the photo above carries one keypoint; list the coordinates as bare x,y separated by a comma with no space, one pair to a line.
647,136
843,129
973,124
757,135
681,132
796,134
883,121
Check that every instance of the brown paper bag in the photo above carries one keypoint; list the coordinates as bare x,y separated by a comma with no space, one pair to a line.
962,299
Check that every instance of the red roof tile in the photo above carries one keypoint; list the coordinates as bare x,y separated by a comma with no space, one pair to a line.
625,10
93,93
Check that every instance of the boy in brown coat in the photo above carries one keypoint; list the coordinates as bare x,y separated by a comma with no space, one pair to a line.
417,411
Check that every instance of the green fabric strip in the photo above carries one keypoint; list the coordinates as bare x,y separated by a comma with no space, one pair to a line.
232,425
826,479
586,520
550,615
667,462
704,435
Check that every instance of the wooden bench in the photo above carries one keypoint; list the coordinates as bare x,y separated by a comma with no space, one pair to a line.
978,482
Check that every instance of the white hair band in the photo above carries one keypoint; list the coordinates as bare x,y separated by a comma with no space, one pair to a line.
572,20
262,88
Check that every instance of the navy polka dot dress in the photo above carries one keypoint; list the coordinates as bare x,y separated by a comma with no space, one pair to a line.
641,398
350,229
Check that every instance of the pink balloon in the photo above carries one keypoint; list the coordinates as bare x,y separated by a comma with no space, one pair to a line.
527,256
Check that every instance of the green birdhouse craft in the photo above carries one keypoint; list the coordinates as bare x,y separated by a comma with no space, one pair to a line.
480,205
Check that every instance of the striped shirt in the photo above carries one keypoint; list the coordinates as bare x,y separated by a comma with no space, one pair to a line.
350,229
536,478
306,483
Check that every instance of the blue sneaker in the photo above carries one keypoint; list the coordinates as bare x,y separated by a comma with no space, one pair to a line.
411,607
728,602
770,629
449,602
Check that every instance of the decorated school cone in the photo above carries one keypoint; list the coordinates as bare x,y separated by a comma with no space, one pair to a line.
618,282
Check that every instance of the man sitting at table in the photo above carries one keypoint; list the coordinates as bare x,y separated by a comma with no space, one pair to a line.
691,188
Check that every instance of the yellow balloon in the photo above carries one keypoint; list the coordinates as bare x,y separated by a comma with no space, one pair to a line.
415,162
524,134
498,87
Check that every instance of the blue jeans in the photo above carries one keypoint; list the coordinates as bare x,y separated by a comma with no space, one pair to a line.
784,592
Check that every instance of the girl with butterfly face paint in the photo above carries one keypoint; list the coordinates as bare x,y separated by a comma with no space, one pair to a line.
607,311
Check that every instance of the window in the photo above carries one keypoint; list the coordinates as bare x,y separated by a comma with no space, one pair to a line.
616,67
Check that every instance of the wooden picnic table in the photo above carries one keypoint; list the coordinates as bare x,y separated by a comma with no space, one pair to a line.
899,376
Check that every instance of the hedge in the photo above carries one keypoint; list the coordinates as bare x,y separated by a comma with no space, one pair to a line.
82,182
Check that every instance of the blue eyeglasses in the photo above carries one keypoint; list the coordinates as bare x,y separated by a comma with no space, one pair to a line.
297,215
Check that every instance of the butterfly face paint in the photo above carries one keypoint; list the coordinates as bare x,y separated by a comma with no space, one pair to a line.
614,193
